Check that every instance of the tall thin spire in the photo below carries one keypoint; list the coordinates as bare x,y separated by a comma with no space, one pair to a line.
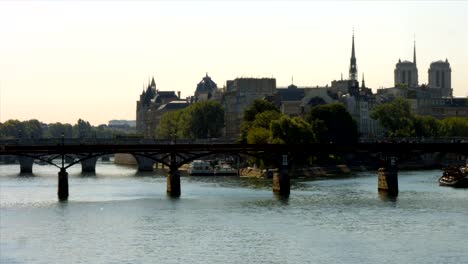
363,82
353,65
414,52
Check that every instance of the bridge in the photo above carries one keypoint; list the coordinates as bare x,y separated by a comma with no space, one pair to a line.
173,155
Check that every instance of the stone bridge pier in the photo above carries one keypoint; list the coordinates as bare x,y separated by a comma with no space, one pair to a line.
26,164
173,179
144,163
388,177
281,180
89,165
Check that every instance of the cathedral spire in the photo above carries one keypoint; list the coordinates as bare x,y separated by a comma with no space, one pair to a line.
414,52
353,66
363,82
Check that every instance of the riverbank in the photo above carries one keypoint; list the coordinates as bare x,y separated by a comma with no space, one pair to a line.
310,172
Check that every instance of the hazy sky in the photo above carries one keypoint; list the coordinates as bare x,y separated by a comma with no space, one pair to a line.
60,61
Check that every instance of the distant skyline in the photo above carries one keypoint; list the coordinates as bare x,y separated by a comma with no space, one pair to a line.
61,61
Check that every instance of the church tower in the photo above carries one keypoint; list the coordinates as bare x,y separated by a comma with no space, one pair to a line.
353,66
440,79
406,72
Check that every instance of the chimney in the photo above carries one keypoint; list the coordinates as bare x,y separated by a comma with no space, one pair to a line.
178,94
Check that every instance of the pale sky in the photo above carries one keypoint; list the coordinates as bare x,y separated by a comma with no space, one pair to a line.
60,61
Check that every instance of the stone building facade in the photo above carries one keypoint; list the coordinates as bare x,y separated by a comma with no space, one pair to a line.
440,78
240,94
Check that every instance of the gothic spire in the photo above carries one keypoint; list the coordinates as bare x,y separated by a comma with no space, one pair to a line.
363,82
353,65
414,52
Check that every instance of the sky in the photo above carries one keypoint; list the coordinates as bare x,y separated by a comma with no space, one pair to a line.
65,60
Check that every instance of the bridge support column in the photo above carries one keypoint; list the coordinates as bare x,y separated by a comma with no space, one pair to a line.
89,165
388,177
26,164
173,179
281,180
144,163
62,191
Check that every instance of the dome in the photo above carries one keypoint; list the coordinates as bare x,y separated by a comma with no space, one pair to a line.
206,86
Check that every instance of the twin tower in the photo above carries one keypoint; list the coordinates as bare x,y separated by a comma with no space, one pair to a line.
440,76
406,74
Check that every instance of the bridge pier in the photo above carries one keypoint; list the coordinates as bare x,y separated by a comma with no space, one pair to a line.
388,177
89,165
62,191
144,163
281,180
173,178
26,164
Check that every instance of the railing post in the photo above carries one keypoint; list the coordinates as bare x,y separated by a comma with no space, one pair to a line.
281,180
173,178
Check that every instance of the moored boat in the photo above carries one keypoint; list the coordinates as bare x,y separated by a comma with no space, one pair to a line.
455,177
200,168
224,169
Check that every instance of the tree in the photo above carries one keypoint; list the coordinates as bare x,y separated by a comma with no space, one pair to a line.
294,130
170,125
396,117
56,130
82,129
259,114
427,126
455,127
12,129
200,120
258,135
340,127
32,129
257,107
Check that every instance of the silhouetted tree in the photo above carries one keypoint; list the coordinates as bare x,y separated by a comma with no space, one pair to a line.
339,125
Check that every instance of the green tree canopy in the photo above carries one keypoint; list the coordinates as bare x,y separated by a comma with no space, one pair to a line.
294,130
82,129
258,135
427,126
340,127
170,125
455,127
55,130
395,116
198,121
257,107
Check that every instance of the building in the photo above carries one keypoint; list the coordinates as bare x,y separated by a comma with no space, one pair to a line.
143,105
152,105
406,72
240,93
207,90
440,78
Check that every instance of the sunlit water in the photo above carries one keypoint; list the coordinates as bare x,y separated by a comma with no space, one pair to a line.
118,216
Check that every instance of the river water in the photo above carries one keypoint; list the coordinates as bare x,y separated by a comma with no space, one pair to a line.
119,216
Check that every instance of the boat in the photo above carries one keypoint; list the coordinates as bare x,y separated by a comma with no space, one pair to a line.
455,177
224,169
200,168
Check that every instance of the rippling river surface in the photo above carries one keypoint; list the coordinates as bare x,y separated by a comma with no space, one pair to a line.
118,216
